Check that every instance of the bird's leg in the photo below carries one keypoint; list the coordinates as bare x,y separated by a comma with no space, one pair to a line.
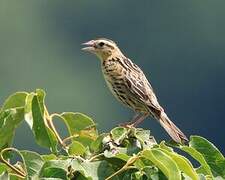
140,119
130,123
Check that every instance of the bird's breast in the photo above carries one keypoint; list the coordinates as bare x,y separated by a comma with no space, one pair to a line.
112,70
116,78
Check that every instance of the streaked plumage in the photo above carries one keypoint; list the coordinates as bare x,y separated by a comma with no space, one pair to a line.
129,85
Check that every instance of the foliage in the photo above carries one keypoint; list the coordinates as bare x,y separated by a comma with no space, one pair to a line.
123,153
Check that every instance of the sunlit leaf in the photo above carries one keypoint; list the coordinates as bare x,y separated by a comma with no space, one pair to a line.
55,169
28,110
183,164
9,121
43,135
53,172
97,170
125,153
48,157
3,168
35,117
151,172
165,163
11,115
15,100
211,154
199,157
80,127
76,148
144,137
57,163
119,134
32,162
97,145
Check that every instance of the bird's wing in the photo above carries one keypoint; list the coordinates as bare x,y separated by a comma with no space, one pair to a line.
140,87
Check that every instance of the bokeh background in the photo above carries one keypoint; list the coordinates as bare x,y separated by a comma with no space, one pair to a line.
179,44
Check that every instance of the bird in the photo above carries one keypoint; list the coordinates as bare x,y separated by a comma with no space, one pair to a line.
130,86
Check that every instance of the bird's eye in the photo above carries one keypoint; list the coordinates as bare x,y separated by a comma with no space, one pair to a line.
101,44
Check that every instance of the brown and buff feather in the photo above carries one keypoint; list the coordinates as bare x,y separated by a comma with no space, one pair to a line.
129,85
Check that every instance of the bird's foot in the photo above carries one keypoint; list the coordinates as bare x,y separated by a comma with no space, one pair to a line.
129,124
135,121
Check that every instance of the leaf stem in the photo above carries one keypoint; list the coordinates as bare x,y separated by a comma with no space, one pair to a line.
69,138
52,127
95,157
124,168
18,172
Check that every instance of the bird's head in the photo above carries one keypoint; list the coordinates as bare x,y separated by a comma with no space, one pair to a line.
102,47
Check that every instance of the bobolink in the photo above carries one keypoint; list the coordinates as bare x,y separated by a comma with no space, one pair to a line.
129,85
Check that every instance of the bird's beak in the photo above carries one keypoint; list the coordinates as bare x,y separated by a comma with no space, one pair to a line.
90,46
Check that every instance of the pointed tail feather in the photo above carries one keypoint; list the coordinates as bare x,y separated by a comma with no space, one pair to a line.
172,129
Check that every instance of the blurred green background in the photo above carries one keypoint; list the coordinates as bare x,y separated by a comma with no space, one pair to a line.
179,44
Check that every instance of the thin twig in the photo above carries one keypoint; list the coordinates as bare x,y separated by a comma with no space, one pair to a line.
124,168
69,138
78,158
16,170
95,157
21,177
52,127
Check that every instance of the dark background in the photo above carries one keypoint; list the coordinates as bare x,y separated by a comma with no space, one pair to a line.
179,44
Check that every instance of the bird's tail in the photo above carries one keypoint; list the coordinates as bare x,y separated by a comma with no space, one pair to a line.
172,129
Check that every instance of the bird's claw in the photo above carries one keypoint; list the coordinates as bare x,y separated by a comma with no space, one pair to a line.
127,124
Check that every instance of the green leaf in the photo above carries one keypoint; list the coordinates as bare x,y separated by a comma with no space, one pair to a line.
15,100
9,121
165,163
119,134
53,172
55,169
164,146
98,157
118,160
48,157
151,172
64,164
130,175
32,162
199,157
211,154
144,137
122,156
4,175
98,170
80,126
76,148
3,168
43,134
183,163
97,145
28,110
129,144
15,177
11,114
137,175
